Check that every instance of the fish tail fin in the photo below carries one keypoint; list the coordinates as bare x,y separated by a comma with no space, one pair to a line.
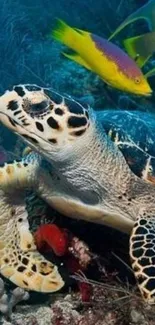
135,47
66,34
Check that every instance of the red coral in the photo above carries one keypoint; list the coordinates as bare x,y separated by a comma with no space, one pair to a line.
50,236
86,291
63,243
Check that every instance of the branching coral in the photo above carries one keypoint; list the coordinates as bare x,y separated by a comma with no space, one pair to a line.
8,302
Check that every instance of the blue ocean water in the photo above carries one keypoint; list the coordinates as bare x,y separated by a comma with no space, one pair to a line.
28,55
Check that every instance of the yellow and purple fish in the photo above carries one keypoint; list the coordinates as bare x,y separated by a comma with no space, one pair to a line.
104,58
146,12
140,47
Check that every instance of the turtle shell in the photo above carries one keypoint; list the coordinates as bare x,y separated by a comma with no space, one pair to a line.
134,134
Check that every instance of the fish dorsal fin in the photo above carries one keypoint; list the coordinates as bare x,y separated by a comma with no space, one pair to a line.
77,58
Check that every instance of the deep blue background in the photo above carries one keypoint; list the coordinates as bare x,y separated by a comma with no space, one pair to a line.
28,55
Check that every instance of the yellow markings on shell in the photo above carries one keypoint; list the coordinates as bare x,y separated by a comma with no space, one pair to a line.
45,268
36,281
50,284
29,274
7,271
26,241
20,279
42,280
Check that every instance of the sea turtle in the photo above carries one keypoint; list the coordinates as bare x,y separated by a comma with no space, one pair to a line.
85,165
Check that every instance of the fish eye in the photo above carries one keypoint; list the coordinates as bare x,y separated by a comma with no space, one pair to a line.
137,81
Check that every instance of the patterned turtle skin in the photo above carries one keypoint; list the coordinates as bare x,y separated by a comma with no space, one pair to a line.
80,164
133,133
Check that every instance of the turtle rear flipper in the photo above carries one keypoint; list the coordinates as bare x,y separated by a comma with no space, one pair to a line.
142,253
20,261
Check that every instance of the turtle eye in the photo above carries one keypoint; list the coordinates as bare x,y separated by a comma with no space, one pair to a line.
137,81
38,109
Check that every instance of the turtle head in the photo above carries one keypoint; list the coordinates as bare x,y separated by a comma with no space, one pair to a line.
48,122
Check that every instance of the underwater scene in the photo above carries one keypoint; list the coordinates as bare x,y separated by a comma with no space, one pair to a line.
77,162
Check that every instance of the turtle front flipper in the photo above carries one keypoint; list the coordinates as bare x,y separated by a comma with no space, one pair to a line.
142,253
20,261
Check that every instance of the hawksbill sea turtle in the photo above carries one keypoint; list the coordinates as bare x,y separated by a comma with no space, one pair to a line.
93,166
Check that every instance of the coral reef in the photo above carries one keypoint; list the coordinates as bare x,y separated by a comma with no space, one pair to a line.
9,301
29,56
31,315
105,297
110,304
